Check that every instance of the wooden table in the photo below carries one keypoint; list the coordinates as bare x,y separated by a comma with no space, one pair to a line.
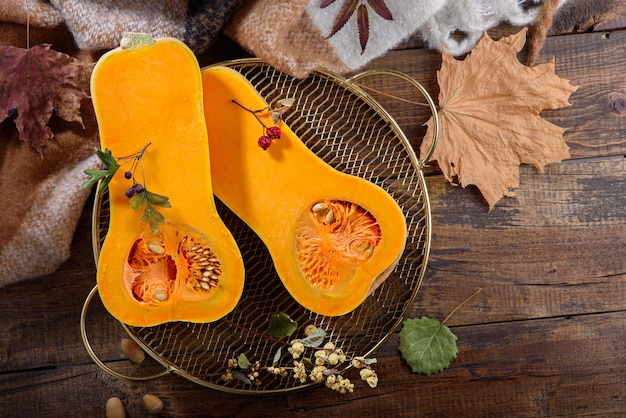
546,336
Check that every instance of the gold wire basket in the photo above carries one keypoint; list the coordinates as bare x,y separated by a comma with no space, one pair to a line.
349,130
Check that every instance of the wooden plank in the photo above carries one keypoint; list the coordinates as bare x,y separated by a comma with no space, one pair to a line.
550,232
551,367
592,61
543,338
534,255
41,316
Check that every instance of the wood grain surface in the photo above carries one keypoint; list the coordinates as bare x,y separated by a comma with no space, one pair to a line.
544,337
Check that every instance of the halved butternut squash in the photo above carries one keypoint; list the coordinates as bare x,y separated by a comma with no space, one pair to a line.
190,267
333,237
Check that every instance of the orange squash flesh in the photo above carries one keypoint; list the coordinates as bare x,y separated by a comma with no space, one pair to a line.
153,94
283,193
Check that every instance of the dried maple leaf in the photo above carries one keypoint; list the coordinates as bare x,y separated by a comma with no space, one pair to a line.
381,9
362,17
489,107
348,8
363,25
33,83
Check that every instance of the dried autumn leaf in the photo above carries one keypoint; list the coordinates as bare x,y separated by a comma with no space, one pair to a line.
489,107
33,83
348,8
326,3
381,9
363,25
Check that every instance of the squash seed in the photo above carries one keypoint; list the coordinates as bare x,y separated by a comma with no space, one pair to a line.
155,247
319,207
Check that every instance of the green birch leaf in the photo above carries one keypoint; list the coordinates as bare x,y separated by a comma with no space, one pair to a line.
281,325
427,345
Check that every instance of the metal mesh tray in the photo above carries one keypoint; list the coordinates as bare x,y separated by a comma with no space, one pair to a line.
349,130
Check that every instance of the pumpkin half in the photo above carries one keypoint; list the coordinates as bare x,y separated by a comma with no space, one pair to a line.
333,237
150,92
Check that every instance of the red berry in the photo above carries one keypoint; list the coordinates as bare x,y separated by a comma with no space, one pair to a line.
264,142
273,132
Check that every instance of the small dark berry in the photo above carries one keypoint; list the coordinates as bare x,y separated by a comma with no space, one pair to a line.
265,142
139,188
128,175
273,132
130,192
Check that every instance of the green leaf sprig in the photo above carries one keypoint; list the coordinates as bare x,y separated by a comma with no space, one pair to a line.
105,174
138,194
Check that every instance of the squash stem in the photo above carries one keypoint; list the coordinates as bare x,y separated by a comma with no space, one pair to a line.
136,40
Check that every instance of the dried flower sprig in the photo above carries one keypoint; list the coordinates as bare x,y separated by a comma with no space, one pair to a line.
323,366
139,195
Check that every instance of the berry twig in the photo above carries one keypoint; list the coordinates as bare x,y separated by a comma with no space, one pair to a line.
269,133
139,195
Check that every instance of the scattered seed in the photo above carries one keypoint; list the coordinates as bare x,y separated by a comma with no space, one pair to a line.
132,350
160,296
152,403
205,285
115,408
